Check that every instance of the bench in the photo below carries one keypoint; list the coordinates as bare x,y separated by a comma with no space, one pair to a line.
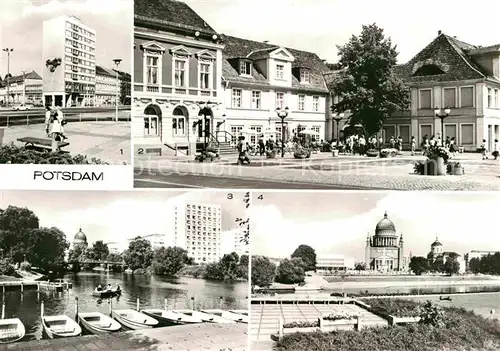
40,144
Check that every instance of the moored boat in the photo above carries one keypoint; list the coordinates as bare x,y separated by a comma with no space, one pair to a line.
235,317
243,312
11,329
205,317
166,318
98,323
59,326
134,320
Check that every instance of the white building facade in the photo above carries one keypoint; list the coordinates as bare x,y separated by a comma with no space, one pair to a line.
69,76
258,79
107,87
333,262
24,88
196,227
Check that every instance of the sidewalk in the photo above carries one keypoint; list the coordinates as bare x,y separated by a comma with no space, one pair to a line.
356,171
108,141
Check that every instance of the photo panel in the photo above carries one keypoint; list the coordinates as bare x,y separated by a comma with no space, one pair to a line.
65,88
133,270
359,264
219,99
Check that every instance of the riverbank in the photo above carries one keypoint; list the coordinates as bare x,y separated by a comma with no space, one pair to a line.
206,336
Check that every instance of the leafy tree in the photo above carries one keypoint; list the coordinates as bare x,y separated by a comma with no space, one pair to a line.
475,265
214,271
15,224
100,250
308,256
291,271
419,265
139,254
114,257
263,271
360,266
368,86
46,247
228,268
169,261
75,257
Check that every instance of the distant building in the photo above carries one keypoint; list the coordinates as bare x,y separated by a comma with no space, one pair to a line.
25,88
333,262
437,254
115,247
235,237
196,227
477,254
69,75
80,240
156,240
383,251
107,86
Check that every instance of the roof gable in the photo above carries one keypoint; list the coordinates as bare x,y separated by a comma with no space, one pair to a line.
282,54
444,59
171,12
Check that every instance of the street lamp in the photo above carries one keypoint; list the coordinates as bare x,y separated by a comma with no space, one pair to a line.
8,51
205,111
282,114
117,62
442,114
337,117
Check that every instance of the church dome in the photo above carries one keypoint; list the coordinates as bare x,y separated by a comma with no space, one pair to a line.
385,227
80,236
436,243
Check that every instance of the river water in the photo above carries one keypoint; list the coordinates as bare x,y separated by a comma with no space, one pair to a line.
151,291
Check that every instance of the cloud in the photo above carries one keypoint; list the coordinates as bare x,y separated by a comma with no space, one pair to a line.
81,6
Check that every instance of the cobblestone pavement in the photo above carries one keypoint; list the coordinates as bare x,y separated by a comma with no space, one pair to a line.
208,336
108,141
355,171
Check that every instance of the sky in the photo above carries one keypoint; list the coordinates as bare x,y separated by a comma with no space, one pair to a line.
117,216
320,25
338,222
21,29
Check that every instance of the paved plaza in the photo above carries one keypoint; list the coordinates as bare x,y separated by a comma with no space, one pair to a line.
265,318
108,141
322,171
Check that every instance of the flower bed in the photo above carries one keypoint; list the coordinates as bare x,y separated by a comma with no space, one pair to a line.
372,153
384,153
301,153
394,307
302,324
20,155
340,316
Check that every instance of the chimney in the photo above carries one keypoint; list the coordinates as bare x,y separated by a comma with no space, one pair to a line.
440,32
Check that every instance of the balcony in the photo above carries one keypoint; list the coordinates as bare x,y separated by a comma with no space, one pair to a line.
180,91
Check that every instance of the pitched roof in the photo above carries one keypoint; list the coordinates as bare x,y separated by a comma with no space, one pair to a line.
451,55
485,50
28,75
172,13
99,70
235,48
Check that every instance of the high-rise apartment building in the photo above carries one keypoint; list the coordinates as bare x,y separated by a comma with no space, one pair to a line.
196,227
69,62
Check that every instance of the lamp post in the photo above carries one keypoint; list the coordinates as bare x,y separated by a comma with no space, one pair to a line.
117,62
205,111
282,114
337,117
442,114
8,51
24,87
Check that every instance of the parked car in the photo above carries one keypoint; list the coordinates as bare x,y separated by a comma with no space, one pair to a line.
21,107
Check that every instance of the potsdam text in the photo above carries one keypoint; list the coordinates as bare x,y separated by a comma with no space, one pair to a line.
68,176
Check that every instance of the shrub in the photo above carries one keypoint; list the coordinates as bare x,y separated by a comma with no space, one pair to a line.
206,156
6,268
394,307
302,324
431,314
25,266
21,155
302,153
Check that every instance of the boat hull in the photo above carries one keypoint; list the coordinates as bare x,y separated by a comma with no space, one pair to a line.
131,324
91,328
106,294
166,321
15,336
52,334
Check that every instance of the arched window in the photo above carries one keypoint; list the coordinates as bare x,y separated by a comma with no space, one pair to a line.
152,120
179,120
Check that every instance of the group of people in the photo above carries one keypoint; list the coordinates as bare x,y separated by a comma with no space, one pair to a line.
484,150
54,123
107,287
358,144
449,144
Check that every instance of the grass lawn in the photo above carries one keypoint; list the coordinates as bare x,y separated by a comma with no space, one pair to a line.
463,330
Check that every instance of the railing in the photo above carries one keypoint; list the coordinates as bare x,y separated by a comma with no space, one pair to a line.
228,137
176,149
103,114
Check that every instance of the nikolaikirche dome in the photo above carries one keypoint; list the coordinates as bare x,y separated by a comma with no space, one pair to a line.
385,227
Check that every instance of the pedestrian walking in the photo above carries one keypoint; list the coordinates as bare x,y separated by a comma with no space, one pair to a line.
484,150
242,151
453,147
413,145
495,149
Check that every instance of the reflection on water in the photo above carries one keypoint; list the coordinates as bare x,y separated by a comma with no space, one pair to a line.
151,290
425,289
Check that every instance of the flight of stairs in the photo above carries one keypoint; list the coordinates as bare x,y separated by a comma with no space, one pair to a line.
225,149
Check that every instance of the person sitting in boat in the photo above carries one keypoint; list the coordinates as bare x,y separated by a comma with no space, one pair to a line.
108,287
99,287
118,288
